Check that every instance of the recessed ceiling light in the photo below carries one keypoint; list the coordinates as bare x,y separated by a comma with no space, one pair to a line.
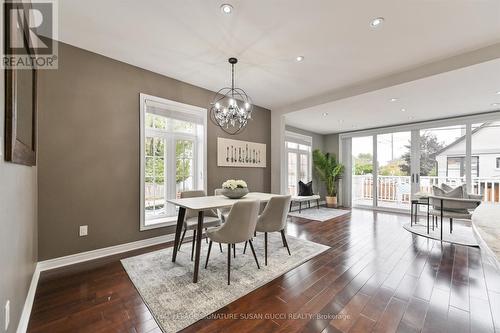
498,92
375,23
325,114
403,110
226,8
299,58
495,104
411,118
394,99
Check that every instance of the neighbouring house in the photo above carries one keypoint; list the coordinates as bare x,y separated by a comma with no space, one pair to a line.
485,154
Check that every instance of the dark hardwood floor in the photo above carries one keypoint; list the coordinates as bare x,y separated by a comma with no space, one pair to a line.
376,277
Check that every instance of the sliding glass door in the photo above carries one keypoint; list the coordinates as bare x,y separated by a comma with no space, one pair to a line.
390,167
394,170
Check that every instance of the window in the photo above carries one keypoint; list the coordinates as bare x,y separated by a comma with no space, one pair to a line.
456,166
172,157
498,162
299,160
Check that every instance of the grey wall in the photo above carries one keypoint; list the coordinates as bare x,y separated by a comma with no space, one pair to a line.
317,143
331,144
88,170
18,241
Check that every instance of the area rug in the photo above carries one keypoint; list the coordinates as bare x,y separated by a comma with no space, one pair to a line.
462,232
175,302
322,214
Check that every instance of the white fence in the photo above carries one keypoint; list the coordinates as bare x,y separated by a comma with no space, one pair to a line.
397,189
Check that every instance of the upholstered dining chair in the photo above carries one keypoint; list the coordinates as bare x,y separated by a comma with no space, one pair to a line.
239,227
221,212
273,219
210,219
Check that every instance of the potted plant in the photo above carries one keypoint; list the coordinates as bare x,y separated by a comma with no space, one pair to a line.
328,171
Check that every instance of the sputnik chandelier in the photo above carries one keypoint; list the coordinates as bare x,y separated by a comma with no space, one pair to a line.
231,108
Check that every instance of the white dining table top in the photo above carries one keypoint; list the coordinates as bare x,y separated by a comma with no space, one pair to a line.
218,201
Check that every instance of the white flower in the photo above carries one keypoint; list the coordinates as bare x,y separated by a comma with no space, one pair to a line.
234,184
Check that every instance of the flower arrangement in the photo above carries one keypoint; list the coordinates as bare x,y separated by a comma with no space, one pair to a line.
232,184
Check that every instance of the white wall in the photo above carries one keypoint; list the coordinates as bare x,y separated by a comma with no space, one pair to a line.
485,144
18,230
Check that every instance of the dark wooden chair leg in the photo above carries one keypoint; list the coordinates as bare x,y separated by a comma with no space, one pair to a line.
220,247
206,237
283,238
253,252
234,250
291,202
182,240
192,244
265,248
317,203
411,214
451,225
228,264
300,207
308,204
245,248
208,253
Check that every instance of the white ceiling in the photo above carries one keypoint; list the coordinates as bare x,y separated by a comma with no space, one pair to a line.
460,92
190,40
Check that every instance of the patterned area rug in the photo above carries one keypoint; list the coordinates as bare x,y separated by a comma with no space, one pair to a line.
462,232
322,214
176,302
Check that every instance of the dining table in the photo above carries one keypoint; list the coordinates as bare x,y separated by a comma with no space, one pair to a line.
202,204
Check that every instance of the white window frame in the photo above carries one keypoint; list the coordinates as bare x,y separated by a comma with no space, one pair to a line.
299,139
179,107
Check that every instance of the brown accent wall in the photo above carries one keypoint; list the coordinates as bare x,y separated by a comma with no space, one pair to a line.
88,167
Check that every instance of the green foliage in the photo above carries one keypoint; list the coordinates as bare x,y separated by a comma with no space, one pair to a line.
393,168
328,170
363,164
429,146
184,156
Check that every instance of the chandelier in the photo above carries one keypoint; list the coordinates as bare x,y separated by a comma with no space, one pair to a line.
231,108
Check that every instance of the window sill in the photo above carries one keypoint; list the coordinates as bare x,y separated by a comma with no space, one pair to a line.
160,223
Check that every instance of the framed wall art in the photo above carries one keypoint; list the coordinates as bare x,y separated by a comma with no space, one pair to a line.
236,153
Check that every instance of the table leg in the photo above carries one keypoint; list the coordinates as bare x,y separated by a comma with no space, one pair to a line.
411,214
441,219
199,231
178,229
427,218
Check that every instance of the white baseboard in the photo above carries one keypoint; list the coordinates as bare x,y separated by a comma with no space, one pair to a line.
77,258
100,253
22,327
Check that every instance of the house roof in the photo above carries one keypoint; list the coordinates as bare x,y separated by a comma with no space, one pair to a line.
460,139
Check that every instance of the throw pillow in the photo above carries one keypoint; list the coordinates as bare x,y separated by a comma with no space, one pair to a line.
305,190
457,193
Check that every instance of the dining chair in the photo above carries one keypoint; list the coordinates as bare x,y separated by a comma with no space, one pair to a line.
210,219
221,212
238,228
273,219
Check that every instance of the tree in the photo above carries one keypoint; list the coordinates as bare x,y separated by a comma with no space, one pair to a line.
429,146
392,168
184,156
363,164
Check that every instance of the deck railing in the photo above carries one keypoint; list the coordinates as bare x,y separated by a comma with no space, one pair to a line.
397,189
